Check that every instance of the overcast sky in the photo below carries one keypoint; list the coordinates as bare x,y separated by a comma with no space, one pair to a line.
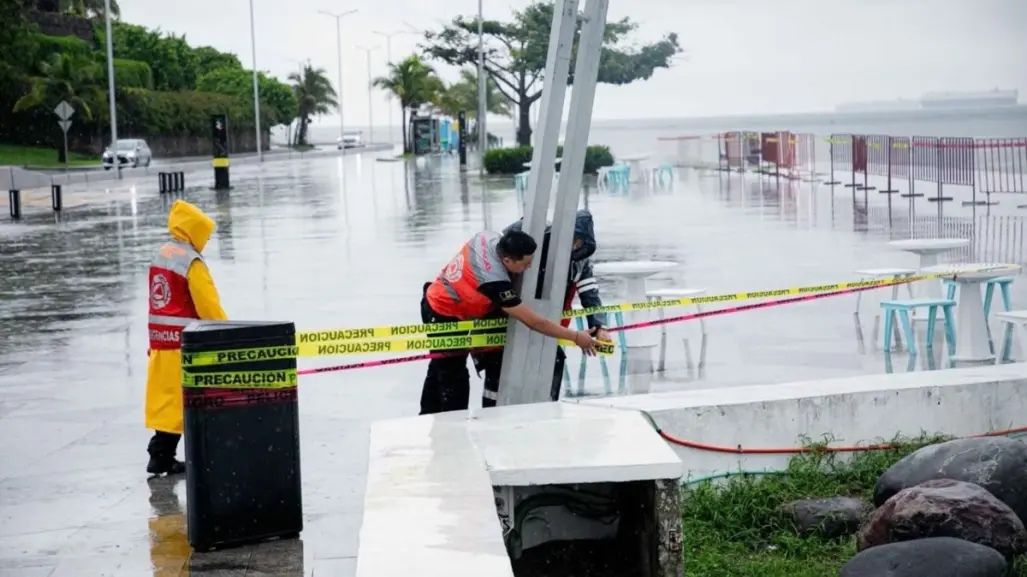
744,56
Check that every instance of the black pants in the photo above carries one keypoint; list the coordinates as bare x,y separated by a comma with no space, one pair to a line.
492,363
163,446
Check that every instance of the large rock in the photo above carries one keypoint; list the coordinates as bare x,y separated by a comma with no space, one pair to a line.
945,508
998,464
831,517
937,557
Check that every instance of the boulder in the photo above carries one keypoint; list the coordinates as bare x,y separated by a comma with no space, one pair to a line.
998,464
937,557
829,518
945,508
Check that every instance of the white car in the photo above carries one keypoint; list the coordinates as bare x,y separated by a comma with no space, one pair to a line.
129,151
350,139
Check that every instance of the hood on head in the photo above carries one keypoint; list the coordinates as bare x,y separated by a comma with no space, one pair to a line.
189,224
584,230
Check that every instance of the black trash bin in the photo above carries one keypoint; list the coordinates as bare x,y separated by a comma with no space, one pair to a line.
242,438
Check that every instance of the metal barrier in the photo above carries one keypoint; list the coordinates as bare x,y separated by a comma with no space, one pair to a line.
804,148
1001,165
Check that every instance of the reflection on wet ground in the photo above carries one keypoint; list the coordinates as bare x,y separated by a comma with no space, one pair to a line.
348,242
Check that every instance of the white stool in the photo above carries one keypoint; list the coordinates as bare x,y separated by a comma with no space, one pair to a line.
1019,320
875,274
671,294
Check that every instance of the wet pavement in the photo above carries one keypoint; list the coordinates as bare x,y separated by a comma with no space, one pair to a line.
346,242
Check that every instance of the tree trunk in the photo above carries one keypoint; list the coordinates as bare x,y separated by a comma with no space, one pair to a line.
524,122
406,140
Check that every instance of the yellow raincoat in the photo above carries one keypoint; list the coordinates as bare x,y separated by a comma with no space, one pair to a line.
189,224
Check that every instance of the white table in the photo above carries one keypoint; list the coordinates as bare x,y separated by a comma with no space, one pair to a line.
928,250
635,164
641,341
528,164
971,325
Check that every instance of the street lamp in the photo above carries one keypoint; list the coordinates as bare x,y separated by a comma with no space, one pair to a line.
256,84
483,135
388,56
338,47
110,87
370,119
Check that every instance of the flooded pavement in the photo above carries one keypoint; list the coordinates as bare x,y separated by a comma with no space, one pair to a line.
348,242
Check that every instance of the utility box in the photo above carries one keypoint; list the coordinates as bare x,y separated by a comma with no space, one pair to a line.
242,436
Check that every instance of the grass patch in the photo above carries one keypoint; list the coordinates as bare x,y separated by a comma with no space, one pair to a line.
35,157
731,529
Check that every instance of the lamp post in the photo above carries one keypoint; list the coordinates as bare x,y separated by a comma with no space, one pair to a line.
256,84
370,118
483,135
388,57
338,47
110,86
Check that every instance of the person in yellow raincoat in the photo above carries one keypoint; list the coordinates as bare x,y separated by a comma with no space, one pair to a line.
181,291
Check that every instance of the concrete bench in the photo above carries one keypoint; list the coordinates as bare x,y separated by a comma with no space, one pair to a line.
443,490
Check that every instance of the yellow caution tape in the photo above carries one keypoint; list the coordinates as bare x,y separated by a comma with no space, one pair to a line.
427,344
279,379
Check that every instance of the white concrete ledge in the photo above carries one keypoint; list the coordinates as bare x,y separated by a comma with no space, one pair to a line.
855,410
429,509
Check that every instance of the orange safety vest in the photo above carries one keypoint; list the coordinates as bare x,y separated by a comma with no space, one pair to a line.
171,304
454,293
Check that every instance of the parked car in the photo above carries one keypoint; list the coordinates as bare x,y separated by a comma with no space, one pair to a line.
350,139
129,151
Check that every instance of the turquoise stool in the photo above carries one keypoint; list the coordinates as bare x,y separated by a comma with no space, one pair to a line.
660,171
1003,283
619,175
902,308
521,180
580,322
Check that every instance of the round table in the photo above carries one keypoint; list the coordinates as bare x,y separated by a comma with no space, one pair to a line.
635,164
972,335
642,342
928,250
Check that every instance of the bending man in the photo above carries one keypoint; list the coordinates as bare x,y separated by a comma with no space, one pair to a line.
478,284
181,291
579,281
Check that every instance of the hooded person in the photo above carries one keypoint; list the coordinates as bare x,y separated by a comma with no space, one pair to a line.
181,291
580,282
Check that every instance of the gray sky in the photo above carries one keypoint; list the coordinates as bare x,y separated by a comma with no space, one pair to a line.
744,56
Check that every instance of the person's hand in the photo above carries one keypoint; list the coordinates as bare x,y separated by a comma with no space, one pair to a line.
585,343
601,334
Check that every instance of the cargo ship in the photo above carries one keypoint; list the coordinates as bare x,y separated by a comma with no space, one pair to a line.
938,101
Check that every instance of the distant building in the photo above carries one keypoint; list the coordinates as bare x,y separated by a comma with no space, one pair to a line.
937,101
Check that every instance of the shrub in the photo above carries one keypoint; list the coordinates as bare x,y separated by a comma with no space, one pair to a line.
67,45
511,160
132,74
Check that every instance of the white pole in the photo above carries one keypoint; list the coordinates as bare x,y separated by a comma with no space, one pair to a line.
256,84
110,86
388,56
370,118
483,134
338,50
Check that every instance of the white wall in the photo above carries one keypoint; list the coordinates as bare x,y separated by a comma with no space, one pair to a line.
857,410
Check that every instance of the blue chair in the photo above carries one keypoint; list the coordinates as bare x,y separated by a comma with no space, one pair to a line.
521,180
660,172
619,175
1003,283
583,366
902,308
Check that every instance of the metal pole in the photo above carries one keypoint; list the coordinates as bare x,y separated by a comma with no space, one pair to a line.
338,51
370,118
483,134
110,86
256,84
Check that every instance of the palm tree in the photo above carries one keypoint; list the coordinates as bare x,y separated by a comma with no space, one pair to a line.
64,77
463,95
315,95
414,83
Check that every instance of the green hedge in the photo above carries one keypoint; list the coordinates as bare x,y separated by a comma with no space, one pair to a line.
69,45
511,160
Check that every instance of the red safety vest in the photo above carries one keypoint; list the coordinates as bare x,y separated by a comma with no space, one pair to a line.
454,293
171,304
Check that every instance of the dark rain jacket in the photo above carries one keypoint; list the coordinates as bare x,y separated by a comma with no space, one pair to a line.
580,279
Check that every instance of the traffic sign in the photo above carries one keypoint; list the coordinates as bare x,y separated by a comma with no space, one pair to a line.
64,124
64,110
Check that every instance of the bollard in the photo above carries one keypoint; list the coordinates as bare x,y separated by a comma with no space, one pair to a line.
181,182
242,445
162,182
14,200
56,200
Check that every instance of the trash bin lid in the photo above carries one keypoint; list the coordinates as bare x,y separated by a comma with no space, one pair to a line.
206,333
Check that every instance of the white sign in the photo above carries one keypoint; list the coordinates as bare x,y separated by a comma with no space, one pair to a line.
64,110
64,124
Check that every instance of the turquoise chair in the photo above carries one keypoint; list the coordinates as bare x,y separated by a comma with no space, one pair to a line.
583,367
1003,283
902,308
521,180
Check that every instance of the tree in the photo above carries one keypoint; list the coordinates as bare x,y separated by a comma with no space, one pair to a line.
17,42
87,8
175,64
463,95
315,96
210,59
515,55
64,77
414,83
278,101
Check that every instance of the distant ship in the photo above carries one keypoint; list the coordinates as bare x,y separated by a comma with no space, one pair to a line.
938,101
